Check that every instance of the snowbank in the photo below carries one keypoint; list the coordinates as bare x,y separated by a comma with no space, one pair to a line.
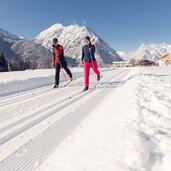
151,116
130,130
15,82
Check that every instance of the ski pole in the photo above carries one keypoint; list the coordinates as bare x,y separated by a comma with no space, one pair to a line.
93,66
64,75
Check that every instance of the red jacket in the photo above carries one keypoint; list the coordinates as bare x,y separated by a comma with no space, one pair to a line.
58,54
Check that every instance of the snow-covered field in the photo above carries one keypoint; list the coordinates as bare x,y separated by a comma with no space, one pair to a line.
123,125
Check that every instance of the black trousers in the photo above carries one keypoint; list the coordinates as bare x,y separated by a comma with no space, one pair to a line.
58,68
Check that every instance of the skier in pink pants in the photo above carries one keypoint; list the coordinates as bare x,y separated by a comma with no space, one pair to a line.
89,60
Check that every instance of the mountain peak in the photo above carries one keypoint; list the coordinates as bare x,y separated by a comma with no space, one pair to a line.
8,36
72,38
150,52
56,26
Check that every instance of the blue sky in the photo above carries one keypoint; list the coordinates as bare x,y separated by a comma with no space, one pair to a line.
124,24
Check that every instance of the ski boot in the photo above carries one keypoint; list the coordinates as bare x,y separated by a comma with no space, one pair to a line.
86,88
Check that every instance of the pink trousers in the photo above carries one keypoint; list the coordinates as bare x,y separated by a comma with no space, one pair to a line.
87,66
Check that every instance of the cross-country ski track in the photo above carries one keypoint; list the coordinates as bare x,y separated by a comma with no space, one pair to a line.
39,131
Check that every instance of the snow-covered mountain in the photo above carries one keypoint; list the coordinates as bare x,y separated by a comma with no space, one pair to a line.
14,47
6,41
11,38
123,55
148,52
29,50
72,38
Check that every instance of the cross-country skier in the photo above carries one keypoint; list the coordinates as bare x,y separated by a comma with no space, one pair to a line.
89,60
59,62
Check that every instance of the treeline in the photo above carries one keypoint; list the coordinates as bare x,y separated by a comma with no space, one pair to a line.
3,63
16,64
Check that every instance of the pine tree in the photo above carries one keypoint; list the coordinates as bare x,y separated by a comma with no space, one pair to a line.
3,63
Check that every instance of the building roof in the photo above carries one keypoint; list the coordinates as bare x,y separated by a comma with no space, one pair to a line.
120,62
167,56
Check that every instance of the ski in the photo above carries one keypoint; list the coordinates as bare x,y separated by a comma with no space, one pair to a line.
98,82
67,83
62,85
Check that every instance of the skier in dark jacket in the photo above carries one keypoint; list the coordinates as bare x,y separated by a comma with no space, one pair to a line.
59,61
89,60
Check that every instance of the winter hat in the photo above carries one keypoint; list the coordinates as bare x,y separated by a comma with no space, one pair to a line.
87,38
55,40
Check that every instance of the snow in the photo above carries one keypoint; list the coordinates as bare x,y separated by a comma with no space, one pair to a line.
126,137
15,82
151,113
125,124
100,140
